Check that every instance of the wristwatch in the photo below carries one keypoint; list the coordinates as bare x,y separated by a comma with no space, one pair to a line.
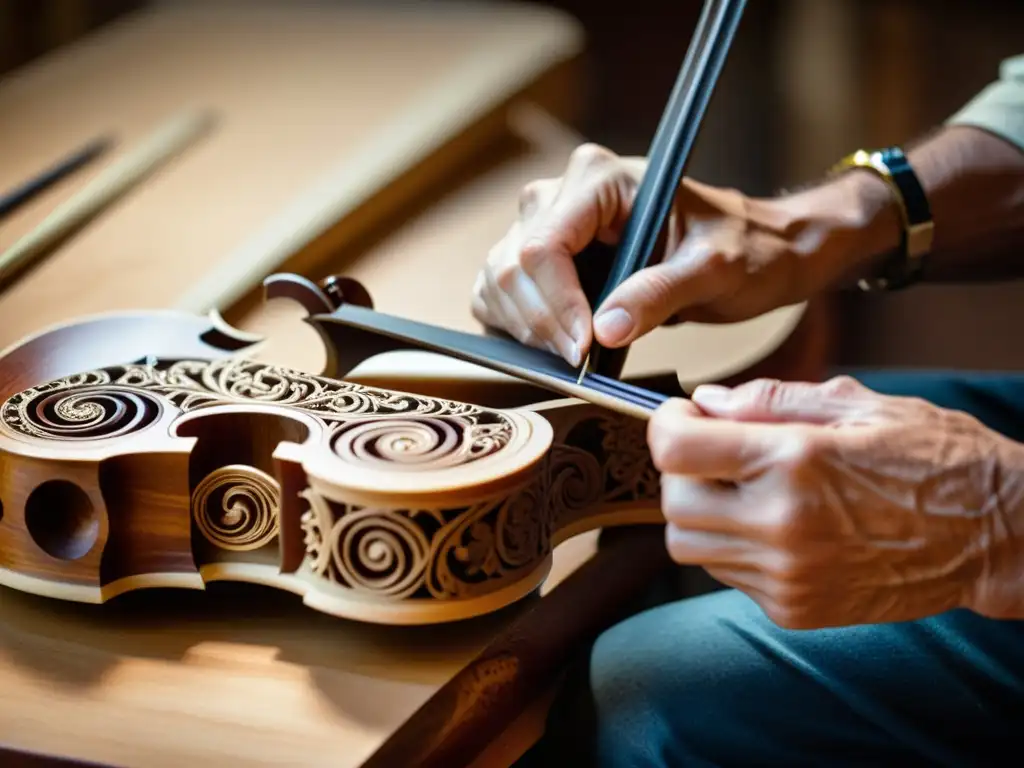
904,266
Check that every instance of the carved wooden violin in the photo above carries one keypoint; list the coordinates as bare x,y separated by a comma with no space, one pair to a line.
146,450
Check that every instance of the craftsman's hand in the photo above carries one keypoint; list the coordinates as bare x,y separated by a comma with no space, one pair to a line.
728,256
833,505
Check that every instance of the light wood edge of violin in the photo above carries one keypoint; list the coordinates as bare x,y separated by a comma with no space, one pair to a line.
350,607
789,319
213,317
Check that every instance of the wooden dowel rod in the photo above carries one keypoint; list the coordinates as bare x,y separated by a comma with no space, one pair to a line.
108,186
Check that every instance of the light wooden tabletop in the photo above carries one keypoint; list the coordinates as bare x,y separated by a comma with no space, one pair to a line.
321,107
324,108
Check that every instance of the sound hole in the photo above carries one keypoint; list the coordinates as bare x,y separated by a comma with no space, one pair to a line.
61,520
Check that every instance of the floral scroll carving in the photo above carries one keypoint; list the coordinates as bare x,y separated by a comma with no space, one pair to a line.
366,543
465,552
439,553
236,508
599,460
114,402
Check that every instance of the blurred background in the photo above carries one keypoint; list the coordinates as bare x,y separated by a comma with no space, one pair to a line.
808,81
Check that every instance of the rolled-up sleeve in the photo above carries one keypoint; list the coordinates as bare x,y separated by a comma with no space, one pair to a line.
999,107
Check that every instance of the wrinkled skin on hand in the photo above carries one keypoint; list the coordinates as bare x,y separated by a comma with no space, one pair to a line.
728,257
832,505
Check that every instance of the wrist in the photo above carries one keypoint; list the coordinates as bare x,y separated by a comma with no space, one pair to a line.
856,224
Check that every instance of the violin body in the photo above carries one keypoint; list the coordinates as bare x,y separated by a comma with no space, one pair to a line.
146,450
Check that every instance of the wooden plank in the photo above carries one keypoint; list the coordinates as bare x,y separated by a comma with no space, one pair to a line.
323,107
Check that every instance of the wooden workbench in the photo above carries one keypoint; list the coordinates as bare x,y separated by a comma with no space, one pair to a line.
385,144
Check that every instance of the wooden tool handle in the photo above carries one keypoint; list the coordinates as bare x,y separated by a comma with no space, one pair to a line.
110,184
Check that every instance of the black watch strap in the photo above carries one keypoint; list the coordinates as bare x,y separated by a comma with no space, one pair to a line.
905,266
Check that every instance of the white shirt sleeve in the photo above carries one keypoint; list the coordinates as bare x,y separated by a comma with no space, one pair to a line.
999,107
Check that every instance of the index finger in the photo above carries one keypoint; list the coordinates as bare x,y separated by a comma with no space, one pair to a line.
683,443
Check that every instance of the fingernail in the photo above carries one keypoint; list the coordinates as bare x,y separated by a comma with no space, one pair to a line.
712,395
579,330
614,325
567,350
575,355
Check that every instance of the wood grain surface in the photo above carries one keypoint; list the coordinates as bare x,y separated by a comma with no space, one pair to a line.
318,106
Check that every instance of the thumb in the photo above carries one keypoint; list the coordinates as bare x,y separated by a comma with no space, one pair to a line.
770,400
649,299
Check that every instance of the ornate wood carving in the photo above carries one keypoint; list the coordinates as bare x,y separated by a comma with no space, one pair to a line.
371,504
235,508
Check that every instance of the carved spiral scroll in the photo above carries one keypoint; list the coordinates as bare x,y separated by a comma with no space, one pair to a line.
378,551
88,414
413,443
236,508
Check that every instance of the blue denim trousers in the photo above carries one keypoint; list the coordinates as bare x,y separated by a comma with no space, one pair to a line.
710,681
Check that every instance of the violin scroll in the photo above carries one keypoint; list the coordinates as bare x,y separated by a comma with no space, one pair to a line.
326,296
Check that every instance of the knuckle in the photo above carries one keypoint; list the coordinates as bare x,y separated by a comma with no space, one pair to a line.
483,315
591,154
665,436
764,392
789,573
800,449
531,193
505,277
843,385
648,294
780,521
496,256
533,253
662,445
789,607
713,257
676,498
777,612
923,410
540,322
529,337
528,195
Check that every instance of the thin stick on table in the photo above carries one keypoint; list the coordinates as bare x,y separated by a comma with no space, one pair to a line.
47,178
108,186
